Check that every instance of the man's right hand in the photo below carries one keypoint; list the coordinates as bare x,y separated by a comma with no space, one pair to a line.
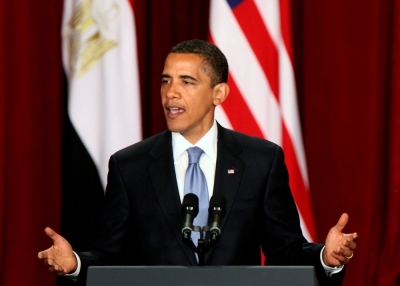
59,257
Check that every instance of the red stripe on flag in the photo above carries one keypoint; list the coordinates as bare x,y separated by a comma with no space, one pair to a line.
239,113
253,27
284,7
297,185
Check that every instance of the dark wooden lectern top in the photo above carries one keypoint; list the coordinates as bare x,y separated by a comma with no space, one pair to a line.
201,276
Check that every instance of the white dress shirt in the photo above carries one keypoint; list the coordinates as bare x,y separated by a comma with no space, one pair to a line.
208,160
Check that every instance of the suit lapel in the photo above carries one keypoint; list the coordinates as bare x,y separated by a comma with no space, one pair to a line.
163,178
228,173
229,169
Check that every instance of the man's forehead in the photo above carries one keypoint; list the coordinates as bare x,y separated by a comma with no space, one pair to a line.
186,63
190,59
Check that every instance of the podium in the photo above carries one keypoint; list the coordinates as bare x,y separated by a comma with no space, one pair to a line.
201,276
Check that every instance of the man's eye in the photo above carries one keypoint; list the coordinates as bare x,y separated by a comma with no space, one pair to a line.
186,82
165,81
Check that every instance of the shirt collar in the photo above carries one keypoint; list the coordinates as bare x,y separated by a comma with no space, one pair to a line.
208,143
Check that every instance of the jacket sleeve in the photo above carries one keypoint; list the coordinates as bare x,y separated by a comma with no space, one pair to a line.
282,240
107,248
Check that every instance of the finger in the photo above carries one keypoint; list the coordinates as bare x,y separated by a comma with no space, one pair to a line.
57,268
345,252
60,271
350,240
46,262
350,244
341,259
45,254
42,254
52,266
352,236
344,218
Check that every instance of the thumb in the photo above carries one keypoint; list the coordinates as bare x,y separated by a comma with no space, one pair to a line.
52,234
344,218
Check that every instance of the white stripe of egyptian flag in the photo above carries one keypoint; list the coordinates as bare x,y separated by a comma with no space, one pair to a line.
100,60
256,39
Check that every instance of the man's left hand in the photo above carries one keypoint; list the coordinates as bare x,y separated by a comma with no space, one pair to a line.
339,247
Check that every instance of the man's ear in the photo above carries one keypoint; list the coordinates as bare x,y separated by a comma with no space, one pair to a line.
221,92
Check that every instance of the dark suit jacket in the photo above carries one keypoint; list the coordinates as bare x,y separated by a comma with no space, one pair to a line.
142,220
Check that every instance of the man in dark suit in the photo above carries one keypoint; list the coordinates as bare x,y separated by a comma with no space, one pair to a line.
142,221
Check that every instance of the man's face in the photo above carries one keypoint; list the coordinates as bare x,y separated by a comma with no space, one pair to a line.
187,96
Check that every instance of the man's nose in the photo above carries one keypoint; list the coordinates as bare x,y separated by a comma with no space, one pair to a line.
173,92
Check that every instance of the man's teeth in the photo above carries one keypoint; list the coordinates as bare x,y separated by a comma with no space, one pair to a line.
175,110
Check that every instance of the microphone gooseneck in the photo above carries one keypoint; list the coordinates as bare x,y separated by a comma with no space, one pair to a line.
216,211
190,209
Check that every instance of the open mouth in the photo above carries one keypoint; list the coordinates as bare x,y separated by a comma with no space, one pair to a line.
175,110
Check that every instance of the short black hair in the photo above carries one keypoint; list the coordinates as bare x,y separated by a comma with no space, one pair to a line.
215,63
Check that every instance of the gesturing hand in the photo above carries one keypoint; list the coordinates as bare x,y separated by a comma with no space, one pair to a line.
339,247
59,257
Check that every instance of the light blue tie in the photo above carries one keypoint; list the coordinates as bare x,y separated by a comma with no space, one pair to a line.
195,182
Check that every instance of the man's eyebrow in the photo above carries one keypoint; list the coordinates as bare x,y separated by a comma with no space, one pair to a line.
188,77
181,77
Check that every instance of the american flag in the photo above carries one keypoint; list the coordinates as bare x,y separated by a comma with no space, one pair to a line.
255,36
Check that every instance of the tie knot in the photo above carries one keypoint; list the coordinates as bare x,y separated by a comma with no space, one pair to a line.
194,154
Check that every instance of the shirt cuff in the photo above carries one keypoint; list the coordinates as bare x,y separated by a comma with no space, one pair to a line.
74,276
329,271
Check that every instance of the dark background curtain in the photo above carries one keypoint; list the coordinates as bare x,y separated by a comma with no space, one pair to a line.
30,136
347,68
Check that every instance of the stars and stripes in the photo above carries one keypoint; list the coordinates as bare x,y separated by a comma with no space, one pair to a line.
255,37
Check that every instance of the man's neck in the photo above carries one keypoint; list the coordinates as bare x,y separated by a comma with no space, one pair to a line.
196,136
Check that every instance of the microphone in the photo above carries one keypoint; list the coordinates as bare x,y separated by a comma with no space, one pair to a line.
190,209
217,211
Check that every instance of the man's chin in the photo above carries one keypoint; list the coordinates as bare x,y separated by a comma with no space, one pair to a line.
174,128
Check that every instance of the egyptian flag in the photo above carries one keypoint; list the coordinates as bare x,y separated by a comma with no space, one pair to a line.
102,106
255,36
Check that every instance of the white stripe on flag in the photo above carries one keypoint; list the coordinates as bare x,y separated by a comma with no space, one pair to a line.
222,118
100,60
304,228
